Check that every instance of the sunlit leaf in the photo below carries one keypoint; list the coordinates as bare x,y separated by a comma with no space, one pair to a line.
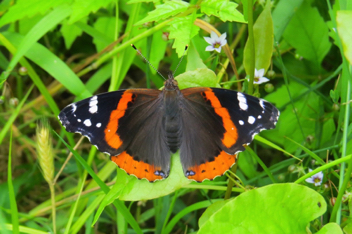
163,11
224,9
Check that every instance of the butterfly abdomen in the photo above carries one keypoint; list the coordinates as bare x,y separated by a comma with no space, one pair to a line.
172,121
172,127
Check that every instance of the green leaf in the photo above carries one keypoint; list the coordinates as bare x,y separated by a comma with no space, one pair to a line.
135,190
70,32
307,109
331,228
278,208
224,9
282,15
308,34
193,59
137,1
157,49
263,41
29,8
163,11
201,77
182,30
211,210
82,8
348,228
344,29
106,26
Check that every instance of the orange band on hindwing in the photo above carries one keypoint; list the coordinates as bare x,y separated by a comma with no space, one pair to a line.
111,136
210,170
230,135
137,168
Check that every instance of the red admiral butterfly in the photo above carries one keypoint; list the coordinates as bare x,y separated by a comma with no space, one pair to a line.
140,128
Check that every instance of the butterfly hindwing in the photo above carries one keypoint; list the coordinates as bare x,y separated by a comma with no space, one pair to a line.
219,123
127,125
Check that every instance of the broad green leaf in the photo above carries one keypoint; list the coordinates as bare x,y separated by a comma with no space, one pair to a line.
307,109
344,29
201,77
211,210
42,27
157,48
135,190
193,59
282,14
307,32
348,228
106,26
278,208
70,32
330,228
263,41
163,11
224,9
29,8
137,1
82,8
49,62
182,29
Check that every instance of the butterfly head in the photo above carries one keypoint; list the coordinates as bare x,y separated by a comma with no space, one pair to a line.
171,84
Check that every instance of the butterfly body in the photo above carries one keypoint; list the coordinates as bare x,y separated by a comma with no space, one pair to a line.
141,128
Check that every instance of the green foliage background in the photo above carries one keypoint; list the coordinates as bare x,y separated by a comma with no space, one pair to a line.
53,53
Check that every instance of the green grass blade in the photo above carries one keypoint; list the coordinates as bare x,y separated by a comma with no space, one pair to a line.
118,204
41,28
324,167
52,64
13,117
12,196
33,75
261,163
193,207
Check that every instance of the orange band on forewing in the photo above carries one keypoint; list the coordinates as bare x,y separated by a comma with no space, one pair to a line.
111,137
138,168
230,136
210,170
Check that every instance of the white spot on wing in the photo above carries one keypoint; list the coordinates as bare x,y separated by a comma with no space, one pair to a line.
74,107
79,120
98,125
261,103
93,105
87,122
241,122
259,116
242,101
251,119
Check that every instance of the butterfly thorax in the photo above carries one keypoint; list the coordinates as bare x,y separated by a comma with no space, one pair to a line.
172,115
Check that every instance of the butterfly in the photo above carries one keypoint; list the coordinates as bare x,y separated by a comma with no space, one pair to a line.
141,128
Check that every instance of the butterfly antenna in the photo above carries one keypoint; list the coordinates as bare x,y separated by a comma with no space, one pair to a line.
147,61
186,47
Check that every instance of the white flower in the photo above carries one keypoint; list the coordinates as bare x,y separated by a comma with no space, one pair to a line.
259,76
316,179
215,42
